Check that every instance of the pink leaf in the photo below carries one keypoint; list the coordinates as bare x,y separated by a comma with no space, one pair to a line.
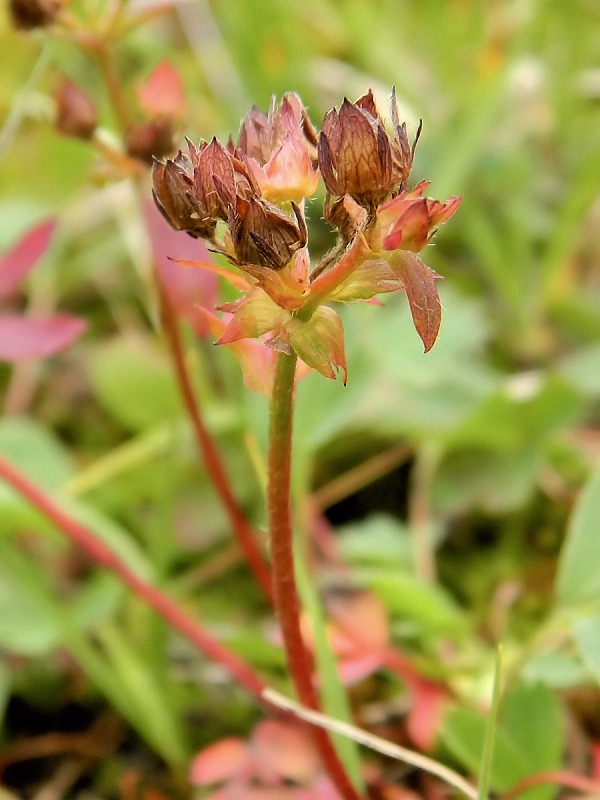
22,338
284,750
162,93
357,668
15,264
189,289
425,715
361,620
419,284
222,761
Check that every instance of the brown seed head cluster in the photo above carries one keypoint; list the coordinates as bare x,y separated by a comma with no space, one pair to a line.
247,199
258,185
29,14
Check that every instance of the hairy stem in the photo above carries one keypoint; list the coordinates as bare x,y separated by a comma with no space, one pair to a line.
104,557
285,592
244,534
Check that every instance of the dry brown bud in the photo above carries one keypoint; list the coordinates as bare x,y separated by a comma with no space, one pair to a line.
263,235
173,192
75,112
148,140
29,14
357,157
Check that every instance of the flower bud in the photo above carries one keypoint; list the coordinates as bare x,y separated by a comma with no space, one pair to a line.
214,177
261,134
357,157
279,149
148,140
173,192
75,112
29,14
354,153
263,235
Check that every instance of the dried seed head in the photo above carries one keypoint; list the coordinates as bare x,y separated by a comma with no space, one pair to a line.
173,192
75,112
29,14
263,235
357,157
149,140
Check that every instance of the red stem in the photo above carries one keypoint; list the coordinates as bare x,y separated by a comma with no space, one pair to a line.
287,604
163,605
562,777
244,534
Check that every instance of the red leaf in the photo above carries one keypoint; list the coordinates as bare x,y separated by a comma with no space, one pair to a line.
419,284
22,338
222,761
162,93
361,619
15,264
188,288
425,715
284,750
357,668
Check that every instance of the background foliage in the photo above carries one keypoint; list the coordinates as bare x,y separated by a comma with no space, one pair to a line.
462,487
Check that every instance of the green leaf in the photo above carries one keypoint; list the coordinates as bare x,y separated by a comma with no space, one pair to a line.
498,451
533,718
463,733
115,681
5,688
110,533
480,478
378,539
427,605
581,368
155,719
25,628
587,637
134,383
579,563
34,451
529,739
555,669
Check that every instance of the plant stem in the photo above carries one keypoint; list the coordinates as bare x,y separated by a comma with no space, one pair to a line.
245,536
103,556
376,743
419,511
105,60
285,592
207,449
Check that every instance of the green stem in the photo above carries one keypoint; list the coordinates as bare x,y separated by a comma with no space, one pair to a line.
287,604
105,60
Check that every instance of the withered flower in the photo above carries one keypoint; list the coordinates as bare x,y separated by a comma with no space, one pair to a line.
357,157
149,140
219,177
173,192
194,191
29,14
256,192
263,235
75,111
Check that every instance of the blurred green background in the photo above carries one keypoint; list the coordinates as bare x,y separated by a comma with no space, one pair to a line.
467,531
